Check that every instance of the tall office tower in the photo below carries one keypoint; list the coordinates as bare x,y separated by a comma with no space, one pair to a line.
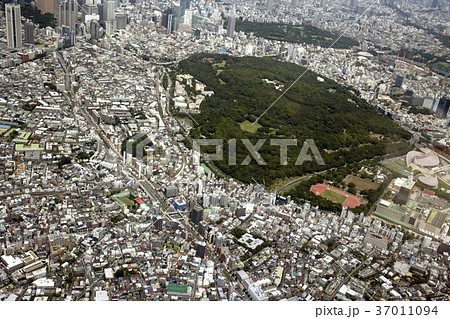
169,26
100,11
29,32
122,21
196,214
231,21
269,5
201,249
165,18
67,13
443,107
46,5
175,23
88,9
183,7
117,3
398,81
294,3
108,10
188,17
13,25
171,19
435,3
109,27
94,29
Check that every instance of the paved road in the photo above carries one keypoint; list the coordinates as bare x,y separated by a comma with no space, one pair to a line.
285,187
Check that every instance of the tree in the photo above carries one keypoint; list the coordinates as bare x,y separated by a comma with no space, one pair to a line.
352,190
238,232
50,85
340,122
120,273
64,161
83,156
44,20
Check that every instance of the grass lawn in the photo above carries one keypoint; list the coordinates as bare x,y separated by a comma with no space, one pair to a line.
402,164
393,168
220,65
360,183
333,196
127,201
248,127
444,185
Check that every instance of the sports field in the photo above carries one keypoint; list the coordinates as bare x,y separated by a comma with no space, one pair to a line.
333,196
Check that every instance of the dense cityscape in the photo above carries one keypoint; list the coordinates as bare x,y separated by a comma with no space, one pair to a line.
105,194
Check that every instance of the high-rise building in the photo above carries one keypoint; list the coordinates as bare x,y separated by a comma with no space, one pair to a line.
443,107
201,249
46,6
67,13
109,27
203,228
88,9
184,4
175,23
165,18
171,19
94,29
122,21
196,214
29,32
294,3
188,17
13,25
100,11
108,10
159,223
231,21
169,27
398,81
269,5
435,3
